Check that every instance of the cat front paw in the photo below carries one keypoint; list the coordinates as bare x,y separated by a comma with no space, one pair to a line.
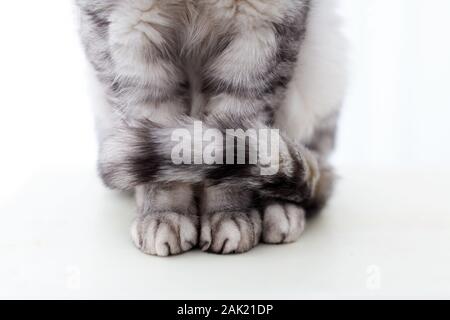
165,234
283,223
230,232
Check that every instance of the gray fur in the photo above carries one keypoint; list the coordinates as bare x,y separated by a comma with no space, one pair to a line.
163,74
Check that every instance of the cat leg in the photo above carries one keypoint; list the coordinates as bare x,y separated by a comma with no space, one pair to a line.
284,222
322,144
167,219
134,49
229,223
245,83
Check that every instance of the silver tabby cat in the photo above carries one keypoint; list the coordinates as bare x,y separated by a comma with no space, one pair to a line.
164,64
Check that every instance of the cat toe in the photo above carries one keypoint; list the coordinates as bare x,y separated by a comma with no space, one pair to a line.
283,223
165,234
230,232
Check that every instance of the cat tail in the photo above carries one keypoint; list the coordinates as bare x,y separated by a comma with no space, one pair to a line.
147,152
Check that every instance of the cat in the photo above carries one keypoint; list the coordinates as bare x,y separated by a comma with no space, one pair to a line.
162,65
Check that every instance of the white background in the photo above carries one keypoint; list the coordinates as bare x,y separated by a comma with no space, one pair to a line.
398,104
385,234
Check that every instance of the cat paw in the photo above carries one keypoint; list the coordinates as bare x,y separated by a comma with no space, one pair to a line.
283,223
165,234
230,232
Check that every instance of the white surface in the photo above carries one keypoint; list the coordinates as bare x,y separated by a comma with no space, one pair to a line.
385,234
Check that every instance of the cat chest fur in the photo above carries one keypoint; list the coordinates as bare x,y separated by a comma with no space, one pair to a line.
226,40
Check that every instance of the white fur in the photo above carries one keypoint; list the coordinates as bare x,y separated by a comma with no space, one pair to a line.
241,61
248,11
230,232
319,84
164,234
283,223
132,28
